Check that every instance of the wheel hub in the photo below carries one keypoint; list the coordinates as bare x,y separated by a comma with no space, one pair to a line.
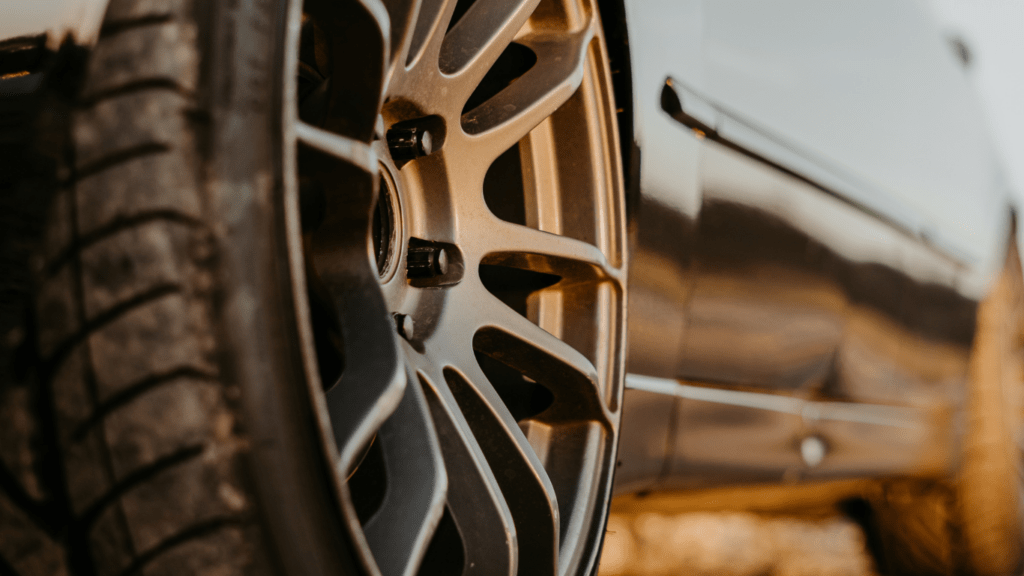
386,225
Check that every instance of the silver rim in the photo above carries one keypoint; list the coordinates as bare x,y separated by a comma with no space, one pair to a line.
465,271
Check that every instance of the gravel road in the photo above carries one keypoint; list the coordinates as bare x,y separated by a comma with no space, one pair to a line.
732,544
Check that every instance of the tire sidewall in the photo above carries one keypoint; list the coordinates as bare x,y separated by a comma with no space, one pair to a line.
252,196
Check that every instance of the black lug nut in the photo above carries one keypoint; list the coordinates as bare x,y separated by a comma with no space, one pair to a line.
409,143
426,261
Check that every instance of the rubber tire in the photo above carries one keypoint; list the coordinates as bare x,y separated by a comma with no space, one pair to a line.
973,524
171,395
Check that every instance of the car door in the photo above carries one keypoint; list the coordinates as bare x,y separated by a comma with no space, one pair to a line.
844,215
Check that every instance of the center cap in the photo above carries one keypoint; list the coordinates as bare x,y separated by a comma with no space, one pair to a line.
386,228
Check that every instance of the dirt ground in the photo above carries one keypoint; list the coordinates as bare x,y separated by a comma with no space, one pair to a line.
732,544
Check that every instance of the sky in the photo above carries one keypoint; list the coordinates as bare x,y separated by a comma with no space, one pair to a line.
993,31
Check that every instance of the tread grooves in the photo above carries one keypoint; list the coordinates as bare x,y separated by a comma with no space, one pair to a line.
191,533
116,27
133,87
63,349
137,477
117,225
120,156
134,391
95,133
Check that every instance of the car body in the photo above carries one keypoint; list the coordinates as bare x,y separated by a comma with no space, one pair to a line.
820,211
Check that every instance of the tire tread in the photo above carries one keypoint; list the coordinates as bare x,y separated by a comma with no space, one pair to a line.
147,429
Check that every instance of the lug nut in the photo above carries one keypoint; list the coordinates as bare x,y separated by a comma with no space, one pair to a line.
409,143
405,325
426,261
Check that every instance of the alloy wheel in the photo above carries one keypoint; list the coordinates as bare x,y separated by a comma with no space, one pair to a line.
458,225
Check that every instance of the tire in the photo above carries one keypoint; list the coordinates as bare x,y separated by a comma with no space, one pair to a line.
228,383
974,524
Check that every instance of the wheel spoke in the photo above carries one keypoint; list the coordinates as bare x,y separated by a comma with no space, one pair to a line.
476,41
507,244
341,147
372,383
474,497
523,480
403,16
373,380
363,27
506,118
428,35
577,444
522,345
399,532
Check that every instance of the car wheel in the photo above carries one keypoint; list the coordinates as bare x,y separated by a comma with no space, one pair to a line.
336,288
975,524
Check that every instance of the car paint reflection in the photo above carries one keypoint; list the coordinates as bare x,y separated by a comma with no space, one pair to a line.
759,268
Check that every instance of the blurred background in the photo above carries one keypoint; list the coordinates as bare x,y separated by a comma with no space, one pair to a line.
732,544
667,535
